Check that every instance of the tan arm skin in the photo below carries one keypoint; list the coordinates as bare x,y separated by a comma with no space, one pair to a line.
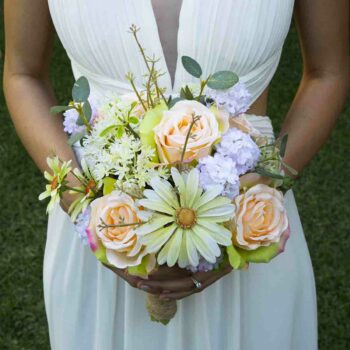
323,27
321,94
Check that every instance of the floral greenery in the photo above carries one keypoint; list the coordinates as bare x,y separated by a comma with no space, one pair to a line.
322,202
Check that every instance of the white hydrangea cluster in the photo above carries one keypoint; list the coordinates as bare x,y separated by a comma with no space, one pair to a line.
124,157
235,155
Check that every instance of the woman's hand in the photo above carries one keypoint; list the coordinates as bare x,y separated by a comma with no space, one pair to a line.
184,286
161,274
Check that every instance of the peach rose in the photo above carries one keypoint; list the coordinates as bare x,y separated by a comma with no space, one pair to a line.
123,247
261,218
170,133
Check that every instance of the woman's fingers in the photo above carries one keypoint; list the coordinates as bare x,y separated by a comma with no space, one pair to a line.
205,278
132,280
168,273
175,285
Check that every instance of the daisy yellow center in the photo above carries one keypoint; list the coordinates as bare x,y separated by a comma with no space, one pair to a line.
185,217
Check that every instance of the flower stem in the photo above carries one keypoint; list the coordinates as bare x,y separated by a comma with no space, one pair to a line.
194,121
134,31
131,80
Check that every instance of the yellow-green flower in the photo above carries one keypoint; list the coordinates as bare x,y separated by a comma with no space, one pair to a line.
85,192
60,170
187,221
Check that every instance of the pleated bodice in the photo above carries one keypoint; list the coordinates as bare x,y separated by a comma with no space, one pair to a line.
241,35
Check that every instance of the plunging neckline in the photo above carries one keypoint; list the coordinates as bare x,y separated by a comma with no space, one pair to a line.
172,80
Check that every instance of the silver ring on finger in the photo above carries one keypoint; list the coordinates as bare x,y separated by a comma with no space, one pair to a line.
196,283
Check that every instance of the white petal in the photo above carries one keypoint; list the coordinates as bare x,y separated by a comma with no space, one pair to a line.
227,210
156,222
165,191
192,187
214,203
219,233
154,241
191,249
205,244
163,254
152,195
175,246
160,206
183,257
121,260
208,195
180,184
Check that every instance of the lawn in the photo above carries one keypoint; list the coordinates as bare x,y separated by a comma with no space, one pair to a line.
322,195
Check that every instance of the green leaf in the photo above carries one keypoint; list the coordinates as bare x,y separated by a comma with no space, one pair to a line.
60,109
108,185
223,80
151,119
75,138
267,173
174,101
140,270
100,254
283,145
80,121
107,130
120,132
81,90
133,120
191,66
260,255
87,111
186,93
164,322
235,259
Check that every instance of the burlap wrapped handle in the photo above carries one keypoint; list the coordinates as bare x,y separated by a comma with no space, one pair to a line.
160,310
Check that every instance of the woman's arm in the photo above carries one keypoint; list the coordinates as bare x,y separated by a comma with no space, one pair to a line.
324,35
29,95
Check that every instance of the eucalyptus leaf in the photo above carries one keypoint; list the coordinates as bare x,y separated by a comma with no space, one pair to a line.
75,138
223,80
60,109
81,90
267,173
283,145
87,110
191,66
80,121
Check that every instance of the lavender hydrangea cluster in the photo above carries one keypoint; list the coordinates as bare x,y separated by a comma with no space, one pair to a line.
240,147
219,170
71,118
235,100
235,155
81,225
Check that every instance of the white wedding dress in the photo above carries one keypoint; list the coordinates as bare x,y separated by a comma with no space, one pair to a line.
268,307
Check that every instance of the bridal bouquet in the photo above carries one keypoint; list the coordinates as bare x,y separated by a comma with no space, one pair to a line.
178,180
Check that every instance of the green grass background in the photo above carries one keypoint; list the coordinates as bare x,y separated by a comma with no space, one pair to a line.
322,196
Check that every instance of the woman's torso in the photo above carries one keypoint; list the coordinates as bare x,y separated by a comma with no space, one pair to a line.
240,35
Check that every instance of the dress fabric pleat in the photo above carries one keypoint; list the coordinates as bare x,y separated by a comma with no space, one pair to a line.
269,306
